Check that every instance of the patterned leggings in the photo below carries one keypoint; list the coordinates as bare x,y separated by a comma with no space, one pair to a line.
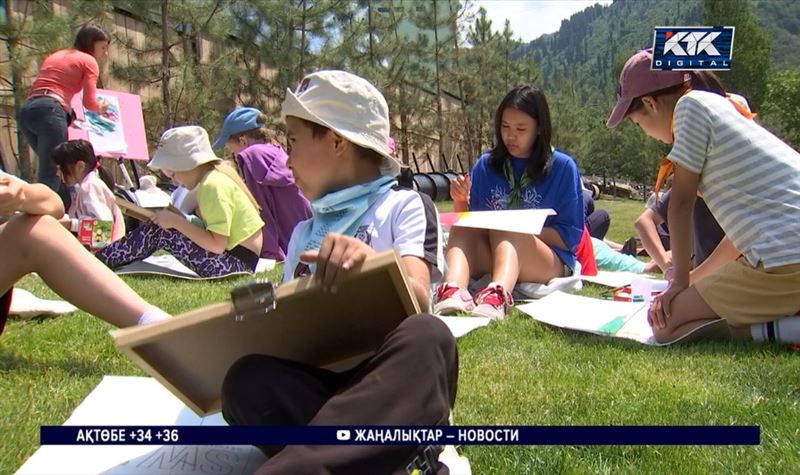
146,239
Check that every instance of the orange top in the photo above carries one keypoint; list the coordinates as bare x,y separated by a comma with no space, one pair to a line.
65,73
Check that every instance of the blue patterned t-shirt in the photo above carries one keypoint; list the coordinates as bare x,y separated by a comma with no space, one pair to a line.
560,190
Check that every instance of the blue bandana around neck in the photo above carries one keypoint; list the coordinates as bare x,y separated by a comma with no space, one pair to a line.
338,212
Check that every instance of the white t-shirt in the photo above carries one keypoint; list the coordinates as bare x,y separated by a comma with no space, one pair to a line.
403,219
749,178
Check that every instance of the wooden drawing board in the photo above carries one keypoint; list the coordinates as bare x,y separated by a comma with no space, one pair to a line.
134,211
191,353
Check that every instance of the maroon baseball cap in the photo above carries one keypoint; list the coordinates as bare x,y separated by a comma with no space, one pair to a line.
637,80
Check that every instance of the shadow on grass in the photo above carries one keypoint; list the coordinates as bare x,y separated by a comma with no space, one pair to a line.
76,367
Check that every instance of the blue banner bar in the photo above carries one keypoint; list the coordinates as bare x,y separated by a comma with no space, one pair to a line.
401,435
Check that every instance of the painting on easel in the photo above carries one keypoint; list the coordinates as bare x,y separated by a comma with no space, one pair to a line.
117,133
106,132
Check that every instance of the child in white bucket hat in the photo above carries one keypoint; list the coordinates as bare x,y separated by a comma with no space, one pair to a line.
338,132
230,239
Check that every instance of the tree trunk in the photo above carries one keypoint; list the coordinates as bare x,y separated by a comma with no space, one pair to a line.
467,123
165,66
369,27
301,66
403,125
23,156
439,114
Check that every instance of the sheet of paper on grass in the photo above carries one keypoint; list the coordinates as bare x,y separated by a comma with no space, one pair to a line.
25,304
460,326
605,317
169,266
526,221
138,401
620,279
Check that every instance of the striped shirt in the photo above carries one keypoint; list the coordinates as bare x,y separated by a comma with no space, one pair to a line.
749,178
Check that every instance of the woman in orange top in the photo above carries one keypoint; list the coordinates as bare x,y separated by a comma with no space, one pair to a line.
46,114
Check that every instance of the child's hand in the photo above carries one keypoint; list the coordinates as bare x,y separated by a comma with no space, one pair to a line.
12,195
337,255
166,219
459,188
660,307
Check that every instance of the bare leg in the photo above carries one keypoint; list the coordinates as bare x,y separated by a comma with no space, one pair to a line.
688,311
40,244
468,255
522,257
613,245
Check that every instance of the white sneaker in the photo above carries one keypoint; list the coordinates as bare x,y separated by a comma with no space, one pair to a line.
452,299
493,302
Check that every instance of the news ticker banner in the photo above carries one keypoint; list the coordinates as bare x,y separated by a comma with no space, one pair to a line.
401,435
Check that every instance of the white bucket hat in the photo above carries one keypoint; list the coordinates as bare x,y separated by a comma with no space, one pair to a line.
182,149
350,106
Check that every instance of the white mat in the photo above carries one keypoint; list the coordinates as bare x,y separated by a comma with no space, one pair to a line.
25,304
137,401
533,290
169,266
606,317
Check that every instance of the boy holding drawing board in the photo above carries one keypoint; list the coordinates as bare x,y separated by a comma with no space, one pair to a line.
338,130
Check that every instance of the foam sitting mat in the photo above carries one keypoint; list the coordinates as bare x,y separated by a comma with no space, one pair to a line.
167,265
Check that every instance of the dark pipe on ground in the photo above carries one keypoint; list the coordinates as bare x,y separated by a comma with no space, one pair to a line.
442,182
425,184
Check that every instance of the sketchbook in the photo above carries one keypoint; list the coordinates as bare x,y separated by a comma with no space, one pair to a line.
134,211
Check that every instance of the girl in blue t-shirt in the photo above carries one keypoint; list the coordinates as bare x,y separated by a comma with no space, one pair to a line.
522,172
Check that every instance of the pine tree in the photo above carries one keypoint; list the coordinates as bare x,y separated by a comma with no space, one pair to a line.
750,63
31,31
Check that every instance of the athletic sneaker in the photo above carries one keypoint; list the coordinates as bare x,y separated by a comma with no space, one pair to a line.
493,302
451,299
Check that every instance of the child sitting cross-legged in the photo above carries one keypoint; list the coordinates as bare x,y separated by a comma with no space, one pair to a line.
230,240
338,129
521,172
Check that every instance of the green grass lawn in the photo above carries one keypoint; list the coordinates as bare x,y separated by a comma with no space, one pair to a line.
514,372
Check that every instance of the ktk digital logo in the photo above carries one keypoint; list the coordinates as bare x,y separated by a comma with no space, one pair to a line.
678,48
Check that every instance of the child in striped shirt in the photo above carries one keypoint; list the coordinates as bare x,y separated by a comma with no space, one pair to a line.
750,181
